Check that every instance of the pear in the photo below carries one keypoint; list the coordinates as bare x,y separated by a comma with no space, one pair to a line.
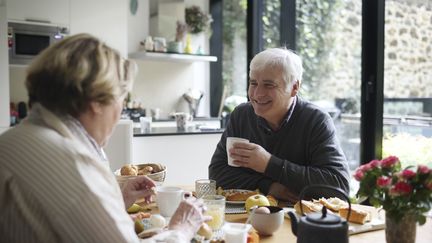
135,208
139,226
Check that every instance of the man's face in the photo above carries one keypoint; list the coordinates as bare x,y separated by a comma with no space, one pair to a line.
268,95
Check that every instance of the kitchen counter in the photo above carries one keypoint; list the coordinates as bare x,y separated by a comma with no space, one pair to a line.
165,131
199,125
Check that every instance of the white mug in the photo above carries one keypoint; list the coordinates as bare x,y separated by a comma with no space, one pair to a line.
229,144
168,199
145,123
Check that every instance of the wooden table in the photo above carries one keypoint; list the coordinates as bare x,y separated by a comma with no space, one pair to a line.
284,233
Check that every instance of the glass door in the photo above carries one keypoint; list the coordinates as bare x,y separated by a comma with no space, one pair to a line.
328,38
407,116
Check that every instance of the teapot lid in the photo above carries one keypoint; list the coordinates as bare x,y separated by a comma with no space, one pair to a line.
323,217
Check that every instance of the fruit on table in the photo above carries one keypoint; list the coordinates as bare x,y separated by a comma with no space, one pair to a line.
262,210
253,237
205,231
134,208
139,226
256,200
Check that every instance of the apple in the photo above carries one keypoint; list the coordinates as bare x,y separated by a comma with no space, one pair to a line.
256,200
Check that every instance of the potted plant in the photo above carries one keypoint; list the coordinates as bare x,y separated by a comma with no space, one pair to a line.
404,194
196,20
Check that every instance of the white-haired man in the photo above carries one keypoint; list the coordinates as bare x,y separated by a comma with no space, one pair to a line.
293,143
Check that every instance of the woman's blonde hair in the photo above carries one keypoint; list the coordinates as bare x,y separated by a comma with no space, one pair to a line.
78,70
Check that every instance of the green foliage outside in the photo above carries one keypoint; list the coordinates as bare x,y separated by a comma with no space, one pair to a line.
314,40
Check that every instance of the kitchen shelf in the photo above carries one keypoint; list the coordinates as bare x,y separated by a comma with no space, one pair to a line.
171,57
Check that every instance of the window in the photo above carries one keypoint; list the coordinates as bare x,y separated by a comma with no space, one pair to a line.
407,119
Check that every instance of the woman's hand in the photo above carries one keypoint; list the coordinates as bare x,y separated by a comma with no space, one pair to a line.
189,217
138,187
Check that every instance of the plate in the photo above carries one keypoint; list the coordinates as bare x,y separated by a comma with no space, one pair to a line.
229,191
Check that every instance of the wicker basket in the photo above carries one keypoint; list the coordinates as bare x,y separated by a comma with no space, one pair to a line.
158,177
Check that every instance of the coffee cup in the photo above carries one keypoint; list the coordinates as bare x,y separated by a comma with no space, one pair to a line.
229,144
168,199
182,120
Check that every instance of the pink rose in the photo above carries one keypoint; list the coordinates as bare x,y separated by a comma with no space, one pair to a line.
401,188
423,169
383,181
366,167
374,163
389,161
358,175
408,174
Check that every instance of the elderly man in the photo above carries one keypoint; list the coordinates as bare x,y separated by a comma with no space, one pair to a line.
293,143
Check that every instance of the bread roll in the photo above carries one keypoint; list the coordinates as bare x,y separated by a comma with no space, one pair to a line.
128,170
357,216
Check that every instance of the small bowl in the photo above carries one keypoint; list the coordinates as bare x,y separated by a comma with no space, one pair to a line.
267,224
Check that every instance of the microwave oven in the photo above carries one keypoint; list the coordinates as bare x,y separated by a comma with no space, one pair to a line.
26,40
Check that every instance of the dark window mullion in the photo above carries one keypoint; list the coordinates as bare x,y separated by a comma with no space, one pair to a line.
287,24
372,80
255,40
216,49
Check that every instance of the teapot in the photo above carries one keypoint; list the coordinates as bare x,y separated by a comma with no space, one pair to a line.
320,227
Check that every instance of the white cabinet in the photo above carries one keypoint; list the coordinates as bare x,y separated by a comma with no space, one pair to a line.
50,11
187,157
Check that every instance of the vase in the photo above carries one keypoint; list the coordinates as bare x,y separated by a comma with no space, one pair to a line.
402,230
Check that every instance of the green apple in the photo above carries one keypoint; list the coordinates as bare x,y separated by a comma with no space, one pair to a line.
256,200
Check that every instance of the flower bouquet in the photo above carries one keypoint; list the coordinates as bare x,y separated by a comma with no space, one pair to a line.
398,191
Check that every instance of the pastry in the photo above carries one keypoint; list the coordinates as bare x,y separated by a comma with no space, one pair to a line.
239,195
357,216
333,203
308,207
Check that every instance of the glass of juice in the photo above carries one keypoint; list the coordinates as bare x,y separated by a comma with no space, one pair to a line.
216,208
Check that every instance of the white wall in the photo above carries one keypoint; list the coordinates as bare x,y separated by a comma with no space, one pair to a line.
137,26
106,19
187,157
4,70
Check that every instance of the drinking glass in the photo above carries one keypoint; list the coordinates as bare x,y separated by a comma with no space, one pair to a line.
205,187
216,208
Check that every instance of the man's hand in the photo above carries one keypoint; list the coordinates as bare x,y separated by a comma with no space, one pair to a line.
282,192
138,187
250,155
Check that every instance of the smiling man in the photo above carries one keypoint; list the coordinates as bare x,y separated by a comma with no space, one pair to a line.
293,143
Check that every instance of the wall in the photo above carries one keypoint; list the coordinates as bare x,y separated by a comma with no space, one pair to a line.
4,72
159,84
106,19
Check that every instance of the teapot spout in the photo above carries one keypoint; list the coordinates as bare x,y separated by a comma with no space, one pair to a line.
294,222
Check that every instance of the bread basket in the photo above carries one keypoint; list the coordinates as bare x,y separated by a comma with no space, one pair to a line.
158,177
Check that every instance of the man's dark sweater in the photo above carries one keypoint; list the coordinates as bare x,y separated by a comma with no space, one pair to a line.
304,151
